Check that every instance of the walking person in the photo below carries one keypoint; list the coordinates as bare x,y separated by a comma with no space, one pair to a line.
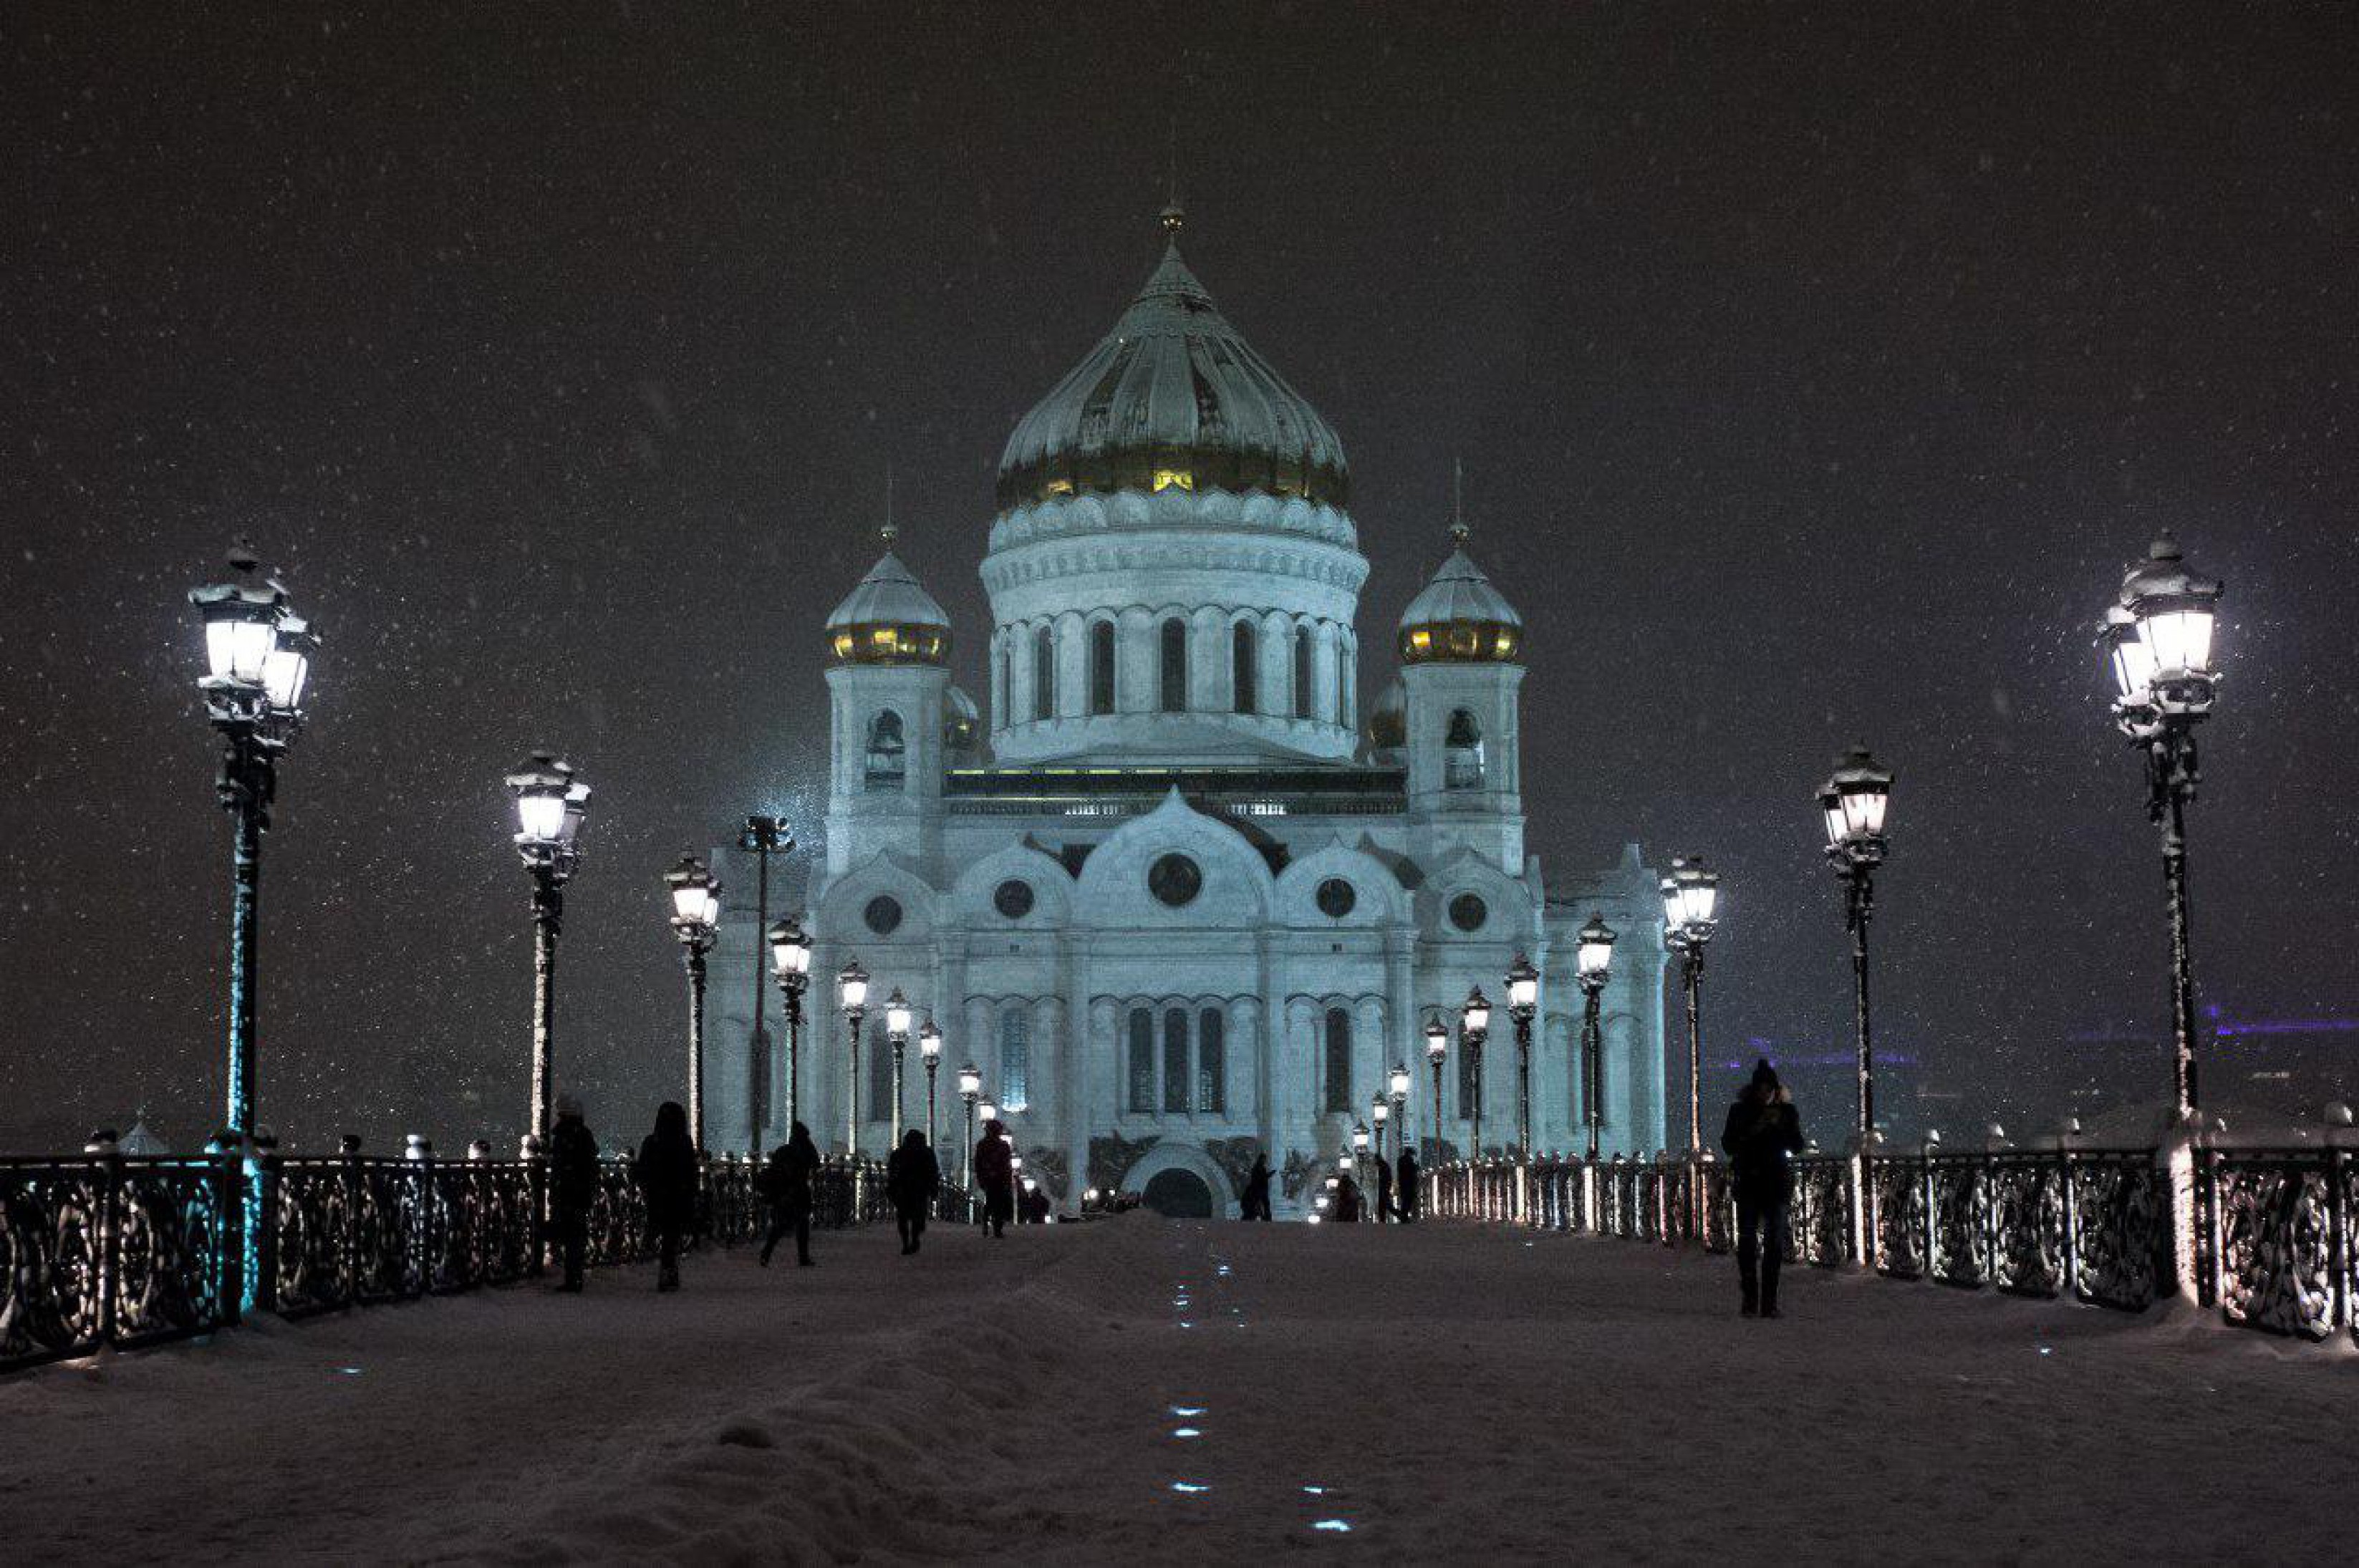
1384,1210
1763,1134
994,1172
787,1183
912,1176
573,1187
1347,1201
1405,1197
1254,1203
668,1172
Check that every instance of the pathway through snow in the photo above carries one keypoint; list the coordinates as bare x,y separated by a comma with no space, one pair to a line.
1140,1390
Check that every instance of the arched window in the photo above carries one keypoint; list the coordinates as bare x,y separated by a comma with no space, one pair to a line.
1462,752
1342,684
1044,674
1102,667
1175,1060
1467,1093
1014,1059
1302,672
1141,1098
888,755
1339,1060
1175,666
1212,1062
1002,685
1244,675
880,1078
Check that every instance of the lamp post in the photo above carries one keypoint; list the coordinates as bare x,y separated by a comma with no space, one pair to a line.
896,1035
852,996
791,957
1380,1113
2157,638
1437,1048
257,655
1594,963
762,838
929,1048
1855,799
1359,1161
1400,1107
1691,894
696,917
550,804
1523,1005
1474,1028
970,1088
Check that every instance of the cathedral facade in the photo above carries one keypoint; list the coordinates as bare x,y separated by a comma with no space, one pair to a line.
1172,887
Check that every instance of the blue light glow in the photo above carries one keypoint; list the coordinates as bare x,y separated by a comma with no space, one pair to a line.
1187,1431
1190,1486
1338,1526
1188,1409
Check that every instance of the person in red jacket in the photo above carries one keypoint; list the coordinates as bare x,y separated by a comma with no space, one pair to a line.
994,1172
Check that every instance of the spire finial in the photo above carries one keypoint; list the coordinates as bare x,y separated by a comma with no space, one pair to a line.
891,530
1458,529
1174,216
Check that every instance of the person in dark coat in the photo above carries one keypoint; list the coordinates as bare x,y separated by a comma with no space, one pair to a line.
1763,1134
1405,1196
1032,1202
1347,1201
1384,1190
995,1175
787,1186
912,1176
1254,1203
572,1187
668,1172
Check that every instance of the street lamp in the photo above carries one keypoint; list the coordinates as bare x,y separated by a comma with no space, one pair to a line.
1357,1160
852,996
762,838
970,1088
1594,962
695,919
929,1047
1437,1048
1380,1113
1473,1030
257,655
1523,1005
2158,637
550,804
1399,1083
1855,799
897,1034
791,957
1690,897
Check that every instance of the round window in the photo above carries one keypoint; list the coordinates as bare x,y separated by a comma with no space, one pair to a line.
883,914
1175,880
1336,898
1468,912
1013,898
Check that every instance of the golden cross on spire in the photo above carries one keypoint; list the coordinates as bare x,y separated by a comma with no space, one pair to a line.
891,530
1458,529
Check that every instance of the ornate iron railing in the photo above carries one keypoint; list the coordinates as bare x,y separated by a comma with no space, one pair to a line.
2270,1235
109,1250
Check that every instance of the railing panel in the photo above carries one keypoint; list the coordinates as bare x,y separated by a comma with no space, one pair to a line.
1960,1224
2121,1225
2277,1242
1900,1215
2027,1195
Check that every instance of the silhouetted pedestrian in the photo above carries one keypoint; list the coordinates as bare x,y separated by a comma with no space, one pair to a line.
1384,1190
1763,1134
995,1175
912,1176
668,1172
1405,1183
787,1186
572,1187
1254,1202
1347,1201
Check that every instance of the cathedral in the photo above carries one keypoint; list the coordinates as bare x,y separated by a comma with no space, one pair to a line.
1178,892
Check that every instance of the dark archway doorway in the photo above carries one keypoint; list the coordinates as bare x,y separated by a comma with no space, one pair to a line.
1178,1194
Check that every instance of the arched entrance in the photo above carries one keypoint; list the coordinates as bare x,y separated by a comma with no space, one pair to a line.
1177,1193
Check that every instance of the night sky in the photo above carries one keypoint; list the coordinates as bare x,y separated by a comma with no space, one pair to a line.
1816,372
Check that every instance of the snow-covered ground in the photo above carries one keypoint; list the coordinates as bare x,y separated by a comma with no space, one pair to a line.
1139,1391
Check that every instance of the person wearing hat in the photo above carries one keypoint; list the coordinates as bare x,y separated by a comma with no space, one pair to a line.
1763,1134
994,1174
572,1187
